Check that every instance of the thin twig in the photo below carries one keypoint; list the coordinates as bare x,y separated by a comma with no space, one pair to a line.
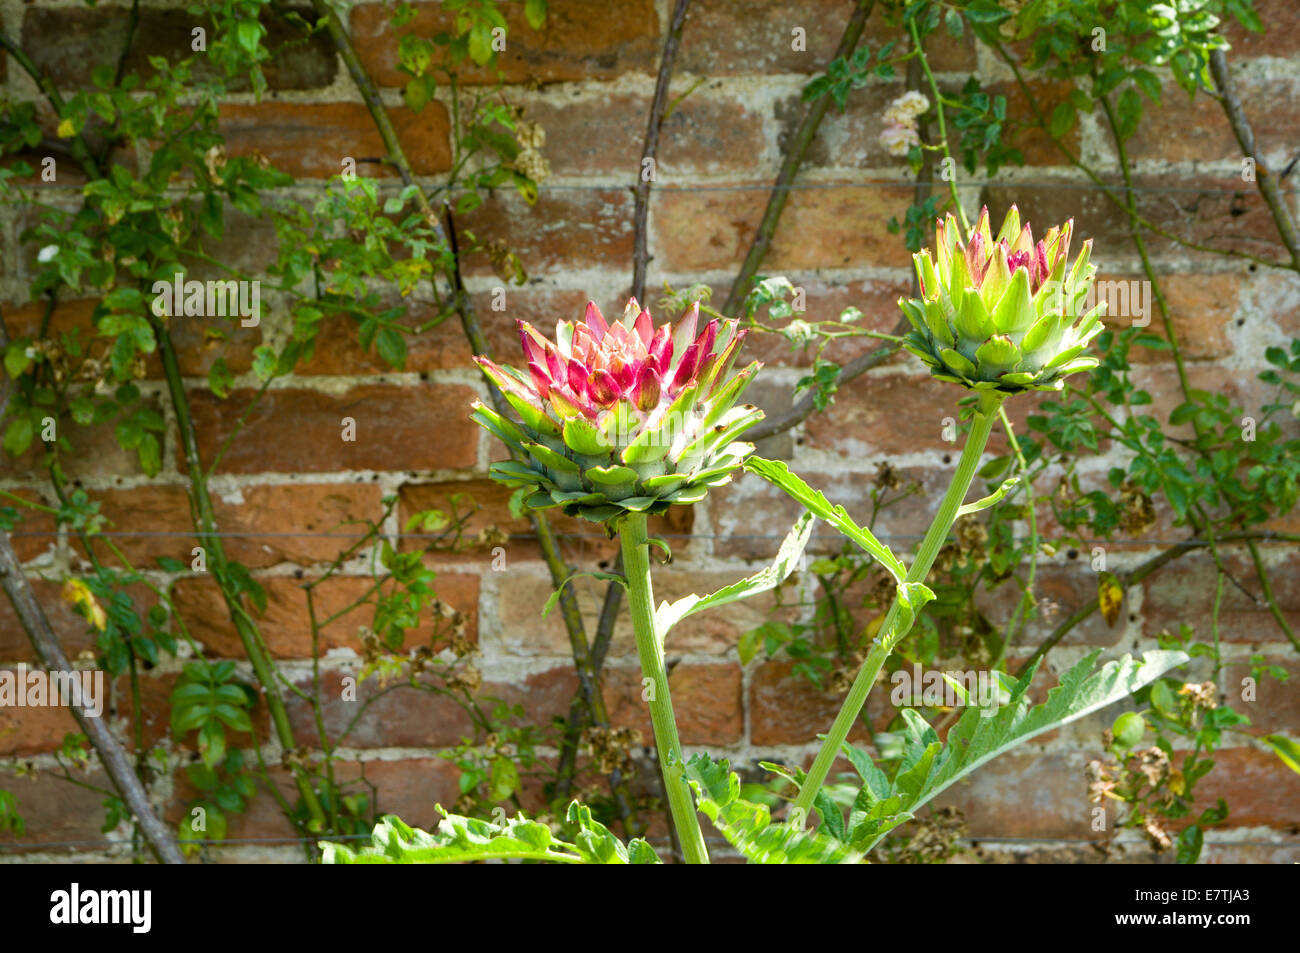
588,679
111,754
1267,587
649,153
1140,572
1264,178
794,157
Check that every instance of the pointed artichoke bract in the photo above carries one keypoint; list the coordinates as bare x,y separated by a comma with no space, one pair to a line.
1003,314
622,416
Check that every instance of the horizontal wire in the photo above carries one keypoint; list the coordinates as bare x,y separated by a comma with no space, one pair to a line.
234,841
1246,187
527,537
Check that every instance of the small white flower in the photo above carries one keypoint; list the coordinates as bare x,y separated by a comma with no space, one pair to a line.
47,253
899,139
904,110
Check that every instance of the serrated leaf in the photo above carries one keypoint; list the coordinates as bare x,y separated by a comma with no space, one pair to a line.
748,827
981,735
816,503
462,839
769,577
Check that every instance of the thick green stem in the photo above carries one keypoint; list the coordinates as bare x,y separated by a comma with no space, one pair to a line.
888,635
640,600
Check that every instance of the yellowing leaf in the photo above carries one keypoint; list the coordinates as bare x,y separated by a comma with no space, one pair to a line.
76,593
1110,595
66,129
1177,783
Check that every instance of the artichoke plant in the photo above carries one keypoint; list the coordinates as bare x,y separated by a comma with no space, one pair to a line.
622,417
1003,314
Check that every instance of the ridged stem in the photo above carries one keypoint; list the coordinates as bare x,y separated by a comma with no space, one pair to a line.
640,601
888,635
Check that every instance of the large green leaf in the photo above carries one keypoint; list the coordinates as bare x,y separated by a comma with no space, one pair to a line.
815,502
748,827
769,577
929,766
461,840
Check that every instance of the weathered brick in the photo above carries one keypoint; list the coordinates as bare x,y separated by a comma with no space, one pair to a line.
247,245
409,788
73,631
1275,706
563,231
1060,587
56,812
32,730
821,227
485,503
719,38
1245,392
279,130
1025,793
706,699
825,299
286,624
1221,213
195,339
301,431
445,346
852,138
1184,592
603,135
266,525
1202,308
69,44
1260,790
884,414
525,632
751,516
582,39
95,452
785,708
403,717
1278,39
34,532
1163,131
419,718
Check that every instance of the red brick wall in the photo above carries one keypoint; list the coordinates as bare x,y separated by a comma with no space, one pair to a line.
289,477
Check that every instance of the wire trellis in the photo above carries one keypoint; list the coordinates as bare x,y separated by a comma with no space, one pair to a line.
530,537
264,841
1246,187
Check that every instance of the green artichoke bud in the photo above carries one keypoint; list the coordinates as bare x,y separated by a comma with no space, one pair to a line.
621,417
1003,315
